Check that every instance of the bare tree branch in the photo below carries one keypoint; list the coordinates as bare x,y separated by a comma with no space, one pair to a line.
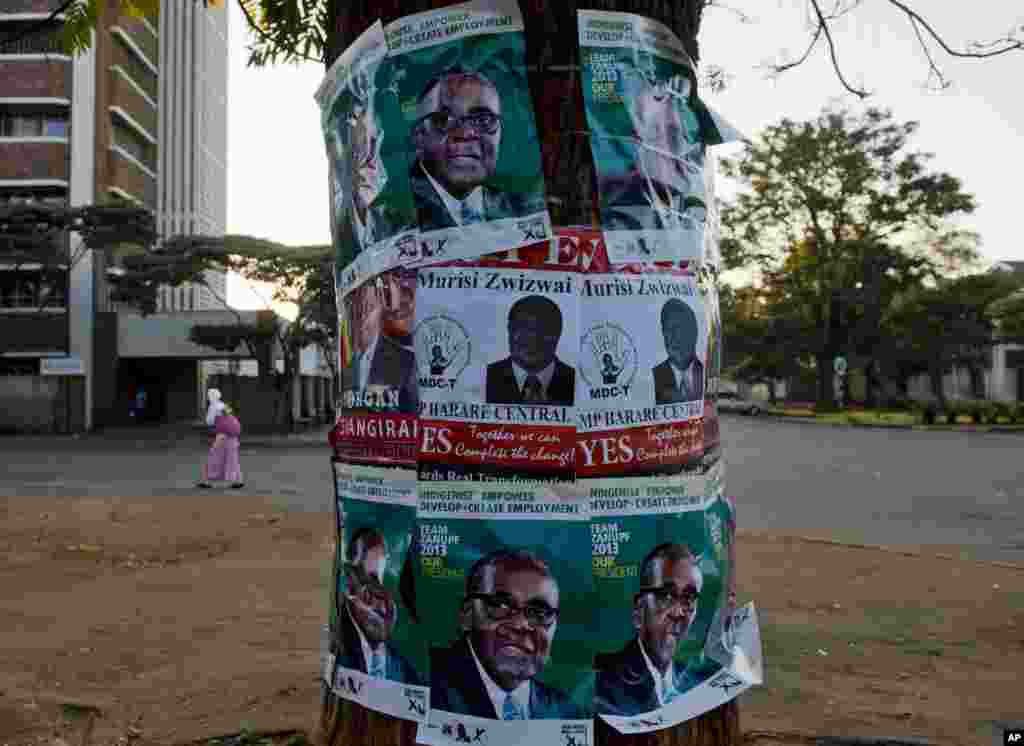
1001,46
740,15
934,73
823,25
779,69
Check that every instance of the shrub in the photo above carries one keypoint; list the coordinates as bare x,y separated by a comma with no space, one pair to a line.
1016,411
1001,410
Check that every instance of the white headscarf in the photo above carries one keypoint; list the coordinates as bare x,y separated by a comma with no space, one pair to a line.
215,408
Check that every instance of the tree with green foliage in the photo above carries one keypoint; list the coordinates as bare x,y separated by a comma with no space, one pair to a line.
45,242
761,341
301,276
838,212
953,324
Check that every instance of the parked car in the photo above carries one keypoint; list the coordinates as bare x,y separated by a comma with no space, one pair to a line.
730,401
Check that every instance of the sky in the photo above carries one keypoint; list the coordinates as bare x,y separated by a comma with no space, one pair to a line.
277,167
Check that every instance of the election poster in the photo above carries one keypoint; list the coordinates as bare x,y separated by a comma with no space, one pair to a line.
662,576
473,165
379,397
496,360
640,392
372,216
510,613
375,652
649,132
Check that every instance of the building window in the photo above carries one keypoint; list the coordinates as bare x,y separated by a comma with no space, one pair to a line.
33,125
19,292
25,37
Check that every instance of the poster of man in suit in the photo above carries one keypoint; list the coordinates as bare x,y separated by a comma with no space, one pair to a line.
532,372
510,603
367,209
496,353
377,658
369,612
645,675
380,370
473,156
508,619
641,384
680,376
649,136
664,578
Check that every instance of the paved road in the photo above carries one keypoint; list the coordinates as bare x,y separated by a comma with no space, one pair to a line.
879,486
859,485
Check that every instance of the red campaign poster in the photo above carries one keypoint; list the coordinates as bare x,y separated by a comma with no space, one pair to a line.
640,395
379,399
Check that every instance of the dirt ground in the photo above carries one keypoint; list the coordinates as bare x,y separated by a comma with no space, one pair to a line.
137,621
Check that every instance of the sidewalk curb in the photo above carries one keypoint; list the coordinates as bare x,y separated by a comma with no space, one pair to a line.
810,739
975,429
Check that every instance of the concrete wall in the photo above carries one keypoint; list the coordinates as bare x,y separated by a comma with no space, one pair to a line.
41,404
181,393
104,388
256,399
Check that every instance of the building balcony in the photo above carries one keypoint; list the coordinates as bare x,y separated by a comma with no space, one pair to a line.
140,37
126,99
143,76
37,160
49,79
130,178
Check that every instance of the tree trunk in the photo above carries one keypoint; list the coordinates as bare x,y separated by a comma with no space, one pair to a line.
552,51
826,401
871,385
938,385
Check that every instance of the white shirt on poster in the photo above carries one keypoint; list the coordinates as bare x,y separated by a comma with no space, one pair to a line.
683,377
521,694
364,362
663,683
368,652
544,376
474,200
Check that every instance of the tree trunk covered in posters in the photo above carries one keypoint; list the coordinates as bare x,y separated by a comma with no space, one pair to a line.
571,188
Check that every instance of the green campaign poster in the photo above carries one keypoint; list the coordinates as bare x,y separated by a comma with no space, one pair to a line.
472,153
648,131
506,569
372,219
662,563
375,645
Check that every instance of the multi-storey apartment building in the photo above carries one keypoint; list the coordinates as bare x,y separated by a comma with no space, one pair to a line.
191,194
140,116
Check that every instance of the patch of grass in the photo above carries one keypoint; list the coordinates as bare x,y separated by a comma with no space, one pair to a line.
1014,599
76,711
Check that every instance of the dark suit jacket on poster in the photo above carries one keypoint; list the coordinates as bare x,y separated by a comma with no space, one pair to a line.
665,391
393,366
625,204
502,387
625,685
456,687
351,655
433,215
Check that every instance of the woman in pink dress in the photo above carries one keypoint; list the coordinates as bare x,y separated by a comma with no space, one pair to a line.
222,462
